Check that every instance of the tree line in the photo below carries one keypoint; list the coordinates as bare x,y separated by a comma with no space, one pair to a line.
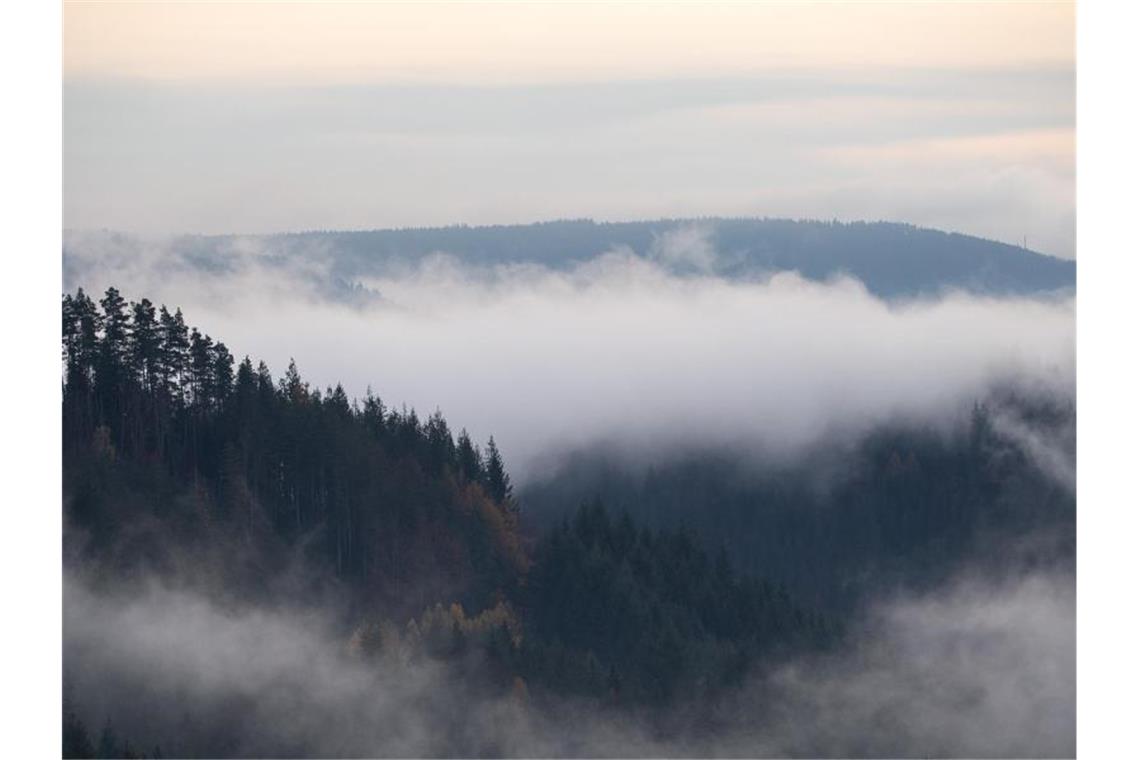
379,490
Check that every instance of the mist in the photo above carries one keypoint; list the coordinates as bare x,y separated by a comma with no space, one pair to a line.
982,668
645,352
641,381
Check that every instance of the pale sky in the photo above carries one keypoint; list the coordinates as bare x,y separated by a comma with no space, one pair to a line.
257,117
542,42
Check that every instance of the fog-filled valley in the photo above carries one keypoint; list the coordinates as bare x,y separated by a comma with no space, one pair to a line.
689,487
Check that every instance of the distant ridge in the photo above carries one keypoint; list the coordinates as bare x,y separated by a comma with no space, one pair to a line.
893,260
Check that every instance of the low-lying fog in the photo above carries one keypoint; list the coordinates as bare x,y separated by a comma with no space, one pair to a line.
618,348
979,669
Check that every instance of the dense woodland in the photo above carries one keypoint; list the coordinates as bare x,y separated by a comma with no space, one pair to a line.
181,466
159,424
903,510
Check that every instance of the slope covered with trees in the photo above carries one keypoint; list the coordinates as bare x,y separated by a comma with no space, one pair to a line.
167,444
180,467
647,616
905,508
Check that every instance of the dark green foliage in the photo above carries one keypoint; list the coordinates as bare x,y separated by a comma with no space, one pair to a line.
905,508
175,348
495,476
469,458
76,740
109,746
640,616
170,450
145,345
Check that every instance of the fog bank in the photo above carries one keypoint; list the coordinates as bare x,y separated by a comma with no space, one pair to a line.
616,348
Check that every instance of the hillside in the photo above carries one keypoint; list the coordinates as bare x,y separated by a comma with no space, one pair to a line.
262,495
892,260
904,508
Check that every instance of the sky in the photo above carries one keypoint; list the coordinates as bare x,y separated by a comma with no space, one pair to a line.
262,117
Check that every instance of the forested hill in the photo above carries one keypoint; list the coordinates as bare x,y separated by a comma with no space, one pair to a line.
892,260
181,468
169,448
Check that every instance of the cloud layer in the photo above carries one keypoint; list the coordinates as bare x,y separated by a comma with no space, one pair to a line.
988,152
616,348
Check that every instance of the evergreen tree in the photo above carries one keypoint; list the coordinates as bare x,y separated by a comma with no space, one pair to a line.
245,383
375,415
337,400
292,388
222,380
441,446
109,746
76,740
85,346
175,353
201,368
70,333
111,369
497,481
145,345
468,458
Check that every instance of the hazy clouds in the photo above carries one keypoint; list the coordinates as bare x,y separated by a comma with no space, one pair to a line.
615,348
984,151
979,669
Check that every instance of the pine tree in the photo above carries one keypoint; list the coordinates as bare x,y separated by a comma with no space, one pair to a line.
70,333
116,325
145,345
110,371
87,324
441,447
222,380
496,480
375,415
245,384
468,457
292,388
337,400
109,746
201,368
76,740
175,353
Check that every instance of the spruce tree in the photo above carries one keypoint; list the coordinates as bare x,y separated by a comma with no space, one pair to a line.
201,368
175,353
496,480
469,459
145,345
